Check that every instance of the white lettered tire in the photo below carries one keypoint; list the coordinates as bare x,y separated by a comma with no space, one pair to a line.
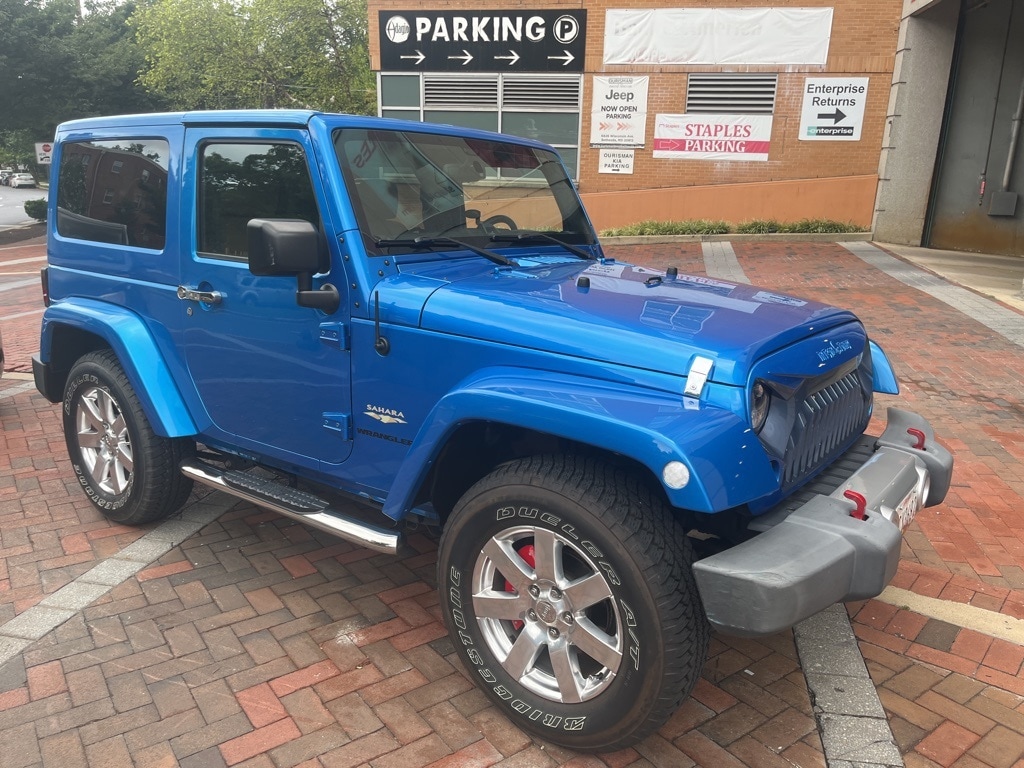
569,594
129,473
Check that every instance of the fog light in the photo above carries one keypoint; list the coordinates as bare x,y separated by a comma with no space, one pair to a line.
676,475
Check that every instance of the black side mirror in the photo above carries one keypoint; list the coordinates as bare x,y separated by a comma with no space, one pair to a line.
283,247
292,247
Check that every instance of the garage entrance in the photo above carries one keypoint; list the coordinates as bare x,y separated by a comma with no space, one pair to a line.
976,204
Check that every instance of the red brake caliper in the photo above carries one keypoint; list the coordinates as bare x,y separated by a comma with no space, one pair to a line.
527,552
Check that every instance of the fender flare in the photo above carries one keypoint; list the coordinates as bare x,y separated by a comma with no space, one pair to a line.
136,350
725,458
883,376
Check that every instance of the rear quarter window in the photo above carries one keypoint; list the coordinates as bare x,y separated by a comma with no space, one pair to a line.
114,191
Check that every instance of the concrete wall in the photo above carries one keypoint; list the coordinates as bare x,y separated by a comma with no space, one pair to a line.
916,106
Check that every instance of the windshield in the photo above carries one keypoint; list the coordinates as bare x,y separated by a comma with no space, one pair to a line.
406,185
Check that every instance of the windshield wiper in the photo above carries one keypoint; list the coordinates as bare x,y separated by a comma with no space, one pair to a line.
430,242
527,235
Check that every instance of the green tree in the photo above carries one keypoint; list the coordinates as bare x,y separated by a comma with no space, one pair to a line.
58,64
36,60
210,54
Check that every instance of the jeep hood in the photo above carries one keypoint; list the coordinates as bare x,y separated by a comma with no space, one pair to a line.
628,315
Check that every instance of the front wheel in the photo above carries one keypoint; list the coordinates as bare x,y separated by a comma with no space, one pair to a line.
128,472
568,590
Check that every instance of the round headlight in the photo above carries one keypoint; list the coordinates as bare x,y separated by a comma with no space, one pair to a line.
760,399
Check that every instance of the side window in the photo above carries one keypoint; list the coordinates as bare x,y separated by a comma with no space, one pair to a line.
239,182
114,191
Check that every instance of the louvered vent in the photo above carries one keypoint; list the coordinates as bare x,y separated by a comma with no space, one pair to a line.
441,91
730,94
541,92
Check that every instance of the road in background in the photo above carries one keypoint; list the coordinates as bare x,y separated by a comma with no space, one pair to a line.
12,205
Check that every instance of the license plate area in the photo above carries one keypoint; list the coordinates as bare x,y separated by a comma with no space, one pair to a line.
894,484
907,510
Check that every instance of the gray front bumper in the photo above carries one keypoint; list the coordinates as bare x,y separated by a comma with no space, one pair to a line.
810,552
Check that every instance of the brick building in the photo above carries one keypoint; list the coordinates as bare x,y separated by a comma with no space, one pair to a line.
735,111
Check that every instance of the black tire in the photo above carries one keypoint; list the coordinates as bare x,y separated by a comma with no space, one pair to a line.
128,472
607,598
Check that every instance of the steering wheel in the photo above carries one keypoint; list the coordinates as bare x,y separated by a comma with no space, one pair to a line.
491,222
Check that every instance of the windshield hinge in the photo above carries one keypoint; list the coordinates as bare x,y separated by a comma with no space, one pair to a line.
338,422
335,335
698,376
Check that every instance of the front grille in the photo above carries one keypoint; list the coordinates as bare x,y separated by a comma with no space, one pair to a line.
826,421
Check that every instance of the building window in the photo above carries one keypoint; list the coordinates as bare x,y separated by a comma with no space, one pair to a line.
401,92
108,197
116,166
730,94
537,106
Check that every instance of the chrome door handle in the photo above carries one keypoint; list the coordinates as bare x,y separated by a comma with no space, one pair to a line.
203,297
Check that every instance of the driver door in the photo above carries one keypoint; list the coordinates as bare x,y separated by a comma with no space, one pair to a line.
275,377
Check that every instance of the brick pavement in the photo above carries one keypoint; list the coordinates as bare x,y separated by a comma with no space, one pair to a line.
21,307
258,642
953,695
970,550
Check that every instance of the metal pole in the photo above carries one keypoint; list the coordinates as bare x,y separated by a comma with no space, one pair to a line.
1014,136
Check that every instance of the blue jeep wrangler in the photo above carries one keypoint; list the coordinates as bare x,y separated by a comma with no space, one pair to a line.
288,306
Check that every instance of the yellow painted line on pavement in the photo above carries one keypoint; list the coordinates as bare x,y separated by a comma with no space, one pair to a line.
980,620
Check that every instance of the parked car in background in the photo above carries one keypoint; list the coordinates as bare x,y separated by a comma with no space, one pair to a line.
22,180
5,176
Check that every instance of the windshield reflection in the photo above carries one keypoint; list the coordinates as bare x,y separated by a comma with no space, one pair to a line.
406,186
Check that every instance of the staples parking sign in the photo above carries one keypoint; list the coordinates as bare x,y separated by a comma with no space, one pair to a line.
712,137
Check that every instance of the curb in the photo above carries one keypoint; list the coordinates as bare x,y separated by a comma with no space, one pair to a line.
777,237
852,723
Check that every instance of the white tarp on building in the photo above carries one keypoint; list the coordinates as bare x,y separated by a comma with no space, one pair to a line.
717,36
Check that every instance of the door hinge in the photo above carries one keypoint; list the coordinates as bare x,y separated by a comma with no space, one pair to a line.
338,422
335,334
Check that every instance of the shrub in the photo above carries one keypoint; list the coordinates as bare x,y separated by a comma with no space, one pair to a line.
688,227
758,227
36,209
820,226
709,227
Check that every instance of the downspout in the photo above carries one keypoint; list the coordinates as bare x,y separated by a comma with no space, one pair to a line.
1004,202
1014,137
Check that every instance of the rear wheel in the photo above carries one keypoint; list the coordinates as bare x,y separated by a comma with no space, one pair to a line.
129,472
569,591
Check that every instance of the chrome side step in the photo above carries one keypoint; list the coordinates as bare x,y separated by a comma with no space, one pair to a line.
293,503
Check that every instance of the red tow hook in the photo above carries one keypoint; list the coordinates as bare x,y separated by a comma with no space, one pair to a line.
919,436
859,511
